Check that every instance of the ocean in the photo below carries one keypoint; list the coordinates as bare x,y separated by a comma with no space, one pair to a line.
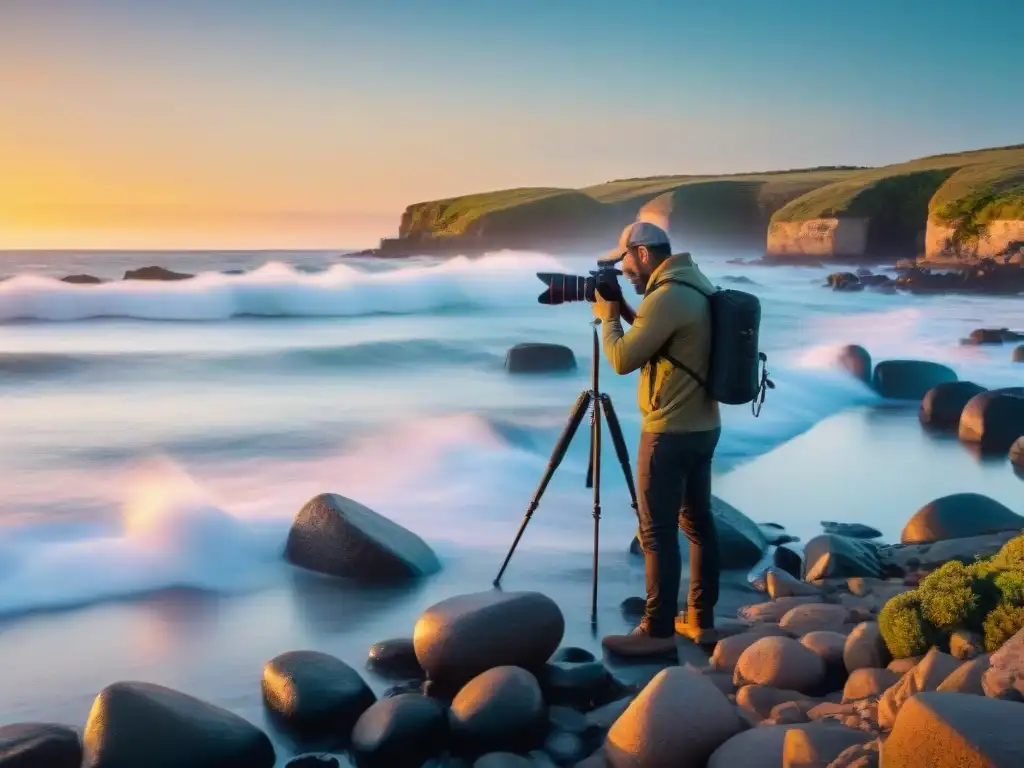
157,439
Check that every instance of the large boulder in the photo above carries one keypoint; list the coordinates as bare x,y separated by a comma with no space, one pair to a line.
943,405
993,420
943,729
155,273
830,556
400,732
340,537
741,541
856,361
463,636
39,745
958,516
315,695
927,676
909,379
780,662
133,723
1004,678
1017,454
534,357
677,721
499,710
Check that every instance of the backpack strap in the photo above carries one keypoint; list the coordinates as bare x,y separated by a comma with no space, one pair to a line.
663,351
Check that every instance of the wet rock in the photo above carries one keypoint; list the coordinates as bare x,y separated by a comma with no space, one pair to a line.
564,748
340,537
395,659
787,560
572,655
947,729
813,747
814,618
867,682
676,721
406,686
503,760
39,745
155,273
850,530
633,607
314,695
959,516
466,635
844,281
943,405
81,280
865,648
401,732
856,361
1004,679
582,686
499,710
774,611
782,584
909,379
990,336
567,720
133,723
933,670
993,420
967,678
780,662
314,761
830,556
535,357
601,719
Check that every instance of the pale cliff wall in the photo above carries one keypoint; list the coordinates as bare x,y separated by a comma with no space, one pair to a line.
999,235
818,237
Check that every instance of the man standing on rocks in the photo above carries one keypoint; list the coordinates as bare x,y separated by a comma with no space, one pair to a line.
680,431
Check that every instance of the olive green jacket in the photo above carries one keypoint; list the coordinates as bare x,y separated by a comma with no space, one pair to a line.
670,399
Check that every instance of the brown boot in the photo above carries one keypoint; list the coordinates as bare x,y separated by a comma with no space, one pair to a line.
640,643
699,629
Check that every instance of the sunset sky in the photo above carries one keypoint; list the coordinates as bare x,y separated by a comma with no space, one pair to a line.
312,123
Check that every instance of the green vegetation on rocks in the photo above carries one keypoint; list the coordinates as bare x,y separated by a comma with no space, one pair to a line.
986,596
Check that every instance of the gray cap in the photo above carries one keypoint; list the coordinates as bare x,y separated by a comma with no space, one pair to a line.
637,233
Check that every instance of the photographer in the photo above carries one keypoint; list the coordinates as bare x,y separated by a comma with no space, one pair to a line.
670,333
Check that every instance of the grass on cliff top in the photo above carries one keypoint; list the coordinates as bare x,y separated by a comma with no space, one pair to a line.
453,215
928,184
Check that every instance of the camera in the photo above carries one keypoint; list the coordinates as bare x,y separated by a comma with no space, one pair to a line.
562,288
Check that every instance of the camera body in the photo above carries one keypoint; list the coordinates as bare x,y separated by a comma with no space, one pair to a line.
562,288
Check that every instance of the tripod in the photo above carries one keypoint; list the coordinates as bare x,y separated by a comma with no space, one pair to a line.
589,398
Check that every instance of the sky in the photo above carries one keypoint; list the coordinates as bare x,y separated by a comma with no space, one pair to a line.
313,123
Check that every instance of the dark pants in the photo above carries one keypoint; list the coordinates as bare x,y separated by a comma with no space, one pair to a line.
674,489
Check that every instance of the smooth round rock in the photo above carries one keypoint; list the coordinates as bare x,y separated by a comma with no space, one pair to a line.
567,719
989,336
958,516
819,746
315,695
500,710
780,662
827,644
401,732
143,724
782,584
573,655
909,379
760,747
463,636
865,648
993,420
856,361
564,748
816,617
583,686
676,721
866,682
395,658
829,556
39,745
337,536
943,405
534,357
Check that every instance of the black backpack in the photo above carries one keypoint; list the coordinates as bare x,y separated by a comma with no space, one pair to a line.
737,371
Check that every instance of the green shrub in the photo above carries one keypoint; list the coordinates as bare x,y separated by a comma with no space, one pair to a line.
986,596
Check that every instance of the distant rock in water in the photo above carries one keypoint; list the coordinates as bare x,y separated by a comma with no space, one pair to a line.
155,273
340,537
958,516
81,280
27,745
909,379
537,357
988,276
992,336
144,724
993,420
856,360
943,405
1018,354
844,281
739,279
852,530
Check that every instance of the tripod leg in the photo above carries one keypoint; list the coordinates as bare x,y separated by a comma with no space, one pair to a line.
579,409
620,446
595,464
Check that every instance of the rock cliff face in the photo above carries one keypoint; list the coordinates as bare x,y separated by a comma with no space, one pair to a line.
1004,237
831,237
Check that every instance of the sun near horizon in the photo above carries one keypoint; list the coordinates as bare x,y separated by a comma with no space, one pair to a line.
258,124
